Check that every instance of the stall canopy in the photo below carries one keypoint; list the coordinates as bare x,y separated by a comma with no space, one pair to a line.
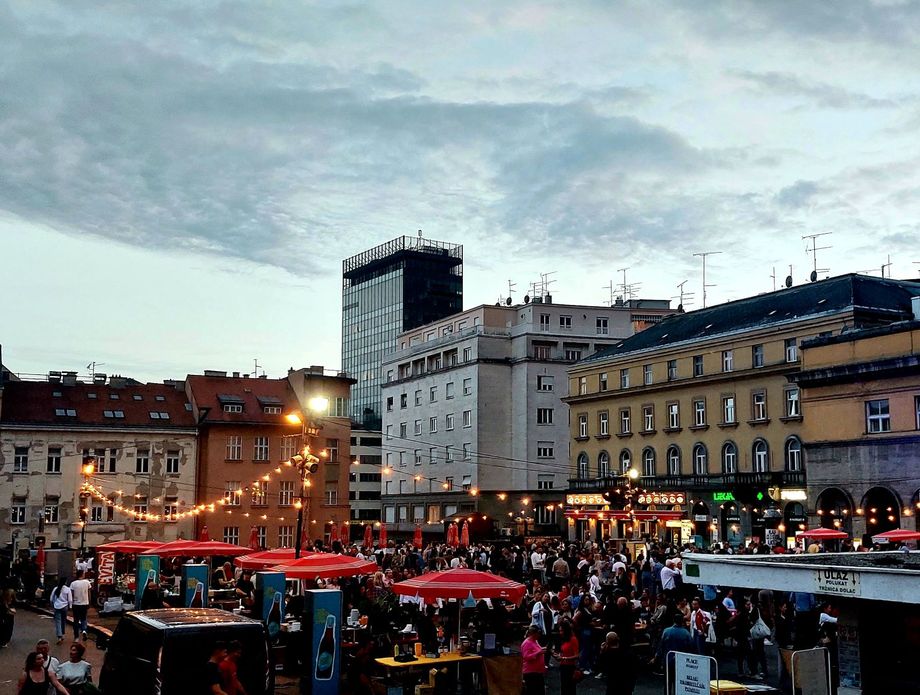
194,548
266,558
822,534
325,566
896,535
129,546
461,584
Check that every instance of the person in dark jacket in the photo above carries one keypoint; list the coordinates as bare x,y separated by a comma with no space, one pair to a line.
618,663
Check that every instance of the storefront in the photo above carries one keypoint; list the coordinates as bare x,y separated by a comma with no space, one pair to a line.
657,515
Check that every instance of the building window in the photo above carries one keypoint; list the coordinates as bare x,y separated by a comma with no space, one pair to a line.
603,424
21,459
403,430
402,459
625,461
286,536
648,418
729,458
572,354
647,374
699,412
433,394
171,509
759,405
449,390
234,447
601,324
648,462
917,412
233,491
418,397
697,365
418,457
260,449
172,463
582,385
792,403
230,408
389,432
625,423
546,481
113,457
624,378
332,495
582,472
418,427
54,459
449,483
565,323
467,482
259,496
583,425
389,404
757,356
545,450
545,515
271,410
432,455
432,424
467,354
673,416
728,360
878,417
544,322
761,456
142,461
544,383
672,370
792,350
18,513
449,422
673,460
544,416
602,381
285,493
232,534
603,464
467,386
51,510
542,352
467,418
140,509
700,460
728,410
793,454
434,513
448,454
403,400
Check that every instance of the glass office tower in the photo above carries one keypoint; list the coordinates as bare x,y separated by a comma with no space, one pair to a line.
391,288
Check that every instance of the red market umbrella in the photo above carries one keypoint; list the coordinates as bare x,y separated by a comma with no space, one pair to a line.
40,558
368,537
453,535
203,536
896,535
344,533
383,535
459,584
465,535
266,558
822,534
128,546
325,566
333,533
417,538
194,548
254,539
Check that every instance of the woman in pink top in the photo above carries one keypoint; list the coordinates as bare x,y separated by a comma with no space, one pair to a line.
534,663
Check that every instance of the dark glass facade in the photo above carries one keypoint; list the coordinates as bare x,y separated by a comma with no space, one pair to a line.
402,284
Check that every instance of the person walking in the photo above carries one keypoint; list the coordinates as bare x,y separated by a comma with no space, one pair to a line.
7,616
533,663
80,590
75,673
567,656
35,679
61,601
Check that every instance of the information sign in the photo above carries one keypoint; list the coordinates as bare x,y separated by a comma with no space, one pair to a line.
691,674
838,582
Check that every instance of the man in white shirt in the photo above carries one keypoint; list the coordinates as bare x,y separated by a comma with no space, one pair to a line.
668,577
538,564
80,590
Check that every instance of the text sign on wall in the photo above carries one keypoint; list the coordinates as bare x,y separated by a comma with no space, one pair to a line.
691,674
837,582
575,500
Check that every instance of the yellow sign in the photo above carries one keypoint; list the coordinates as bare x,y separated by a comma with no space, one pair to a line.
579,500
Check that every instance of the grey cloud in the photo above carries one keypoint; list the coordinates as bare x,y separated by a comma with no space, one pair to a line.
798,194
821,94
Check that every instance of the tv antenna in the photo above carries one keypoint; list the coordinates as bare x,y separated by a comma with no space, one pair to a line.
256,367
887,265
541,287
92,369
629,289
609,288
773,276
813,238
684,298
511,286
703,255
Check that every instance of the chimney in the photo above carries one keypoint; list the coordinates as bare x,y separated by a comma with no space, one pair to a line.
214,372
915,307
117,381
548,299
68,378
316,369
99,378
54,377
236,375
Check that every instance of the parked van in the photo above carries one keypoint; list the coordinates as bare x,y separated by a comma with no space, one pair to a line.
164,652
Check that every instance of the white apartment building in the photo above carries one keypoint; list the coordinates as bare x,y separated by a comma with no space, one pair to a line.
472,416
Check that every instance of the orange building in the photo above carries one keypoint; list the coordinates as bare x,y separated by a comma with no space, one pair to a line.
245,439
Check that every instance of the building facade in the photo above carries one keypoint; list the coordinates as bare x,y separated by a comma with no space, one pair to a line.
245,440
391,288
139,439
704,407
862,437
364,480
473,421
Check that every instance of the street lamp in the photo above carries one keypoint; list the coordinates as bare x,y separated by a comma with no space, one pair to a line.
88,468
305,461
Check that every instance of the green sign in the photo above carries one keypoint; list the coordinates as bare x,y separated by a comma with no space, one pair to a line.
723,497
759,497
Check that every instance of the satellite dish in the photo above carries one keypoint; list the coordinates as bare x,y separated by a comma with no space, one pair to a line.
788,281
526,299
498,303
814,275
508,301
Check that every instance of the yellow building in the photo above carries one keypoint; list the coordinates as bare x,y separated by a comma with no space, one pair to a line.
861,391
702,406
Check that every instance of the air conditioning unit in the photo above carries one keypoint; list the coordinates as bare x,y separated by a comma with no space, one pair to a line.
506,532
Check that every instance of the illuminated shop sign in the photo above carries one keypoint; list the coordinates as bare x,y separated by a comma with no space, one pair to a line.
584,499
723,497
661,498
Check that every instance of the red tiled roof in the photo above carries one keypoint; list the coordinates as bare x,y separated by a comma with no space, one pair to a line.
93,405
212,392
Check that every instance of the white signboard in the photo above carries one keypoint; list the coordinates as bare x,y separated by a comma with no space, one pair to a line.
837,582
691,674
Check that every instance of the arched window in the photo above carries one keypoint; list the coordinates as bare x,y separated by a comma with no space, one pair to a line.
793,454
673,460
582,466
729,458
761,456
603,464
625,461
648,462
700,460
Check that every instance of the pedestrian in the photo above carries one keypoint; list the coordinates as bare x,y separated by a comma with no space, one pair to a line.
740,630
618,664
674,639
212,681
700,623
34,679
7,616
75,673
44,648
567,656
229,677
61,601
533,663
80,590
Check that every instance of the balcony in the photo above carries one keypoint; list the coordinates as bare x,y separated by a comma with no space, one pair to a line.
719,481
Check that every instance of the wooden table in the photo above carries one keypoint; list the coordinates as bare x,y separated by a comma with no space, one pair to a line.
403,668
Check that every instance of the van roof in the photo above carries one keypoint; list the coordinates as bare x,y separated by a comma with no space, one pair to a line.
165,618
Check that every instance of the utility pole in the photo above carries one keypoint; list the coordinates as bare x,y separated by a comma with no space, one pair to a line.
703,255
814,253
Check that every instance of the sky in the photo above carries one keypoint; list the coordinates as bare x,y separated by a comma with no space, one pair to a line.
180,182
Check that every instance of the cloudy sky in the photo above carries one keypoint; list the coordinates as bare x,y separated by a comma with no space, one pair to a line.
179,182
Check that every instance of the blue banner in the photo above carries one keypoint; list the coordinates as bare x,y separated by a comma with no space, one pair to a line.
270,601
194,586
148,570
324,638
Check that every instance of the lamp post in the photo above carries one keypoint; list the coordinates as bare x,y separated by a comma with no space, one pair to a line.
88,468
626,493
306,462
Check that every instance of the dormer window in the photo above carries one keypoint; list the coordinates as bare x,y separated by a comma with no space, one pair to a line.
233,408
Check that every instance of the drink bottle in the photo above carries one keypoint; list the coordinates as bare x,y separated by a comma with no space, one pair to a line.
325,654
198,598
273,622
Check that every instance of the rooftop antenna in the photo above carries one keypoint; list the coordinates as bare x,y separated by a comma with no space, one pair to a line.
814,253
420,234
256,367
511,286
92,369
629,289
684,298
773,276
887,265
545,282
703,255
609,288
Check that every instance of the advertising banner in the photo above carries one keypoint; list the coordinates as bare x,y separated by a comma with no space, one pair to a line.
194,586
270,600
148,570
323,633
106,567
